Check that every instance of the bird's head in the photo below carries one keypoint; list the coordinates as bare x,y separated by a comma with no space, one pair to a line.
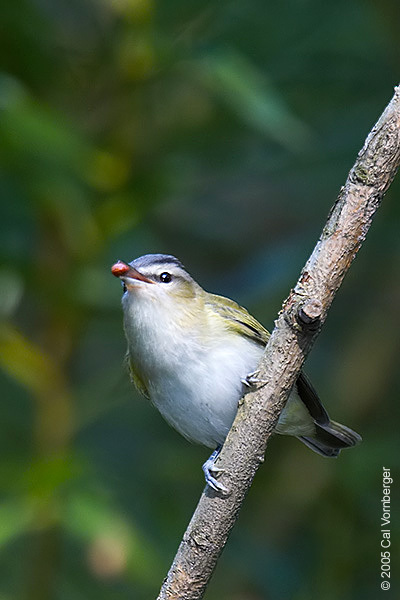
159,277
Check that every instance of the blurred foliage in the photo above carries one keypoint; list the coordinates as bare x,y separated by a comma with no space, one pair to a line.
219,132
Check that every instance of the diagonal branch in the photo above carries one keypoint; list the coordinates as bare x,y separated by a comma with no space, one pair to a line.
296,328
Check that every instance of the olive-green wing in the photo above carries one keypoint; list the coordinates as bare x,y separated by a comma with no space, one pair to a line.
139,383
238,319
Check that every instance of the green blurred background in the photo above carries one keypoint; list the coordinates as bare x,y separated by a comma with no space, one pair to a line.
219,132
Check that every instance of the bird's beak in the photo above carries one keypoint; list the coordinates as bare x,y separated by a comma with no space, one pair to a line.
125,272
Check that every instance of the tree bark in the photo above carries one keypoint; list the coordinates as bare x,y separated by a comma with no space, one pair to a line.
296,328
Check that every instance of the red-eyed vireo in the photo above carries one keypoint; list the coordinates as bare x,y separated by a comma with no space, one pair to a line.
193,353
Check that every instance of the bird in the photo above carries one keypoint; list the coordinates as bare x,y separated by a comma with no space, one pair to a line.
194,354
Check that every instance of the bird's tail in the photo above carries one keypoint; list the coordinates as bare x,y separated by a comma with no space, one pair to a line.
330,438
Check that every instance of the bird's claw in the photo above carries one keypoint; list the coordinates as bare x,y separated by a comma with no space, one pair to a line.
251,380
210,469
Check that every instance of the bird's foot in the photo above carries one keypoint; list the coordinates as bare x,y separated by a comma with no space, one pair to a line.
210,470
251,380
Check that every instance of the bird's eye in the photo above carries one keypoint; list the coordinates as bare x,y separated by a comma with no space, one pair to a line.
165,277
124,286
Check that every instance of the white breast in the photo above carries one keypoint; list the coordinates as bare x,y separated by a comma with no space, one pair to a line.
193,381
200,398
